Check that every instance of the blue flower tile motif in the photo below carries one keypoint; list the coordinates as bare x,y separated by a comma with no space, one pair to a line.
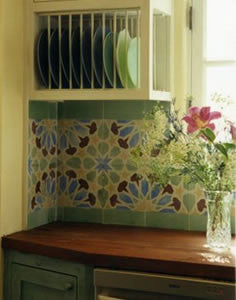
155,191
144,187
62,183
126,131
103,164
102,159
123,121
29,165
76,190
39,199
63,142
168,211
95,169
80,196
43,193
126,199
75,134
133,189
72,186
165,200
41,164
134,140
138,193
45,132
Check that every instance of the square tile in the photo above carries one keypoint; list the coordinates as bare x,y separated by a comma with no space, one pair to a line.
124,217
42,110
124,109
83,110
198,222
85,215
167,220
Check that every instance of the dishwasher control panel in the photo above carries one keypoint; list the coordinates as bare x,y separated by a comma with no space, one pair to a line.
127,285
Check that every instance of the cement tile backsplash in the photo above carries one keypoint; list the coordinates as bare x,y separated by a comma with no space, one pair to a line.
80,169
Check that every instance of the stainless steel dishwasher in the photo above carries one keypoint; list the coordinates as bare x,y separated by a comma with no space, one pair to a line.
125,285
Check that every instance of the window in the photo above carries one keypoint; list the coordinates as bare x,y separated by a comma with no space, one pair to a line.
213,50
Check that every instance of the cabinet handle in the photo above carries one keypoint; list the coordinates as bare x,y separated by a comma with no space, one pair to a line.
68,286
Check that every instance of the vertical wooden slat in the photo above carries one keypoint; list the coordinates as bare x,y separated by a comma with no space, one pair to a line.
138,23
114,49
49,41
92,49
59,45
70,51
126,43
81,51
162,54
132,26
110,20
168,52
154,72
103,39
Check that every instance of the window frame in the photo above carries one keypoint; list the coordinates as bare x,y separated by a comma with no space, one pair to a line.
199,63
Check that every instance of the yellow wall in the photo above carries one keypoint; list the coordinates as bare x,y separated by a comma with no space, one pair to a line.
11,116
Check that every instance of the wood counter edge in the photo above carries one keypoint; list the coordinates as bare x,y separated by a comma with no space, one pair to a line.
166,266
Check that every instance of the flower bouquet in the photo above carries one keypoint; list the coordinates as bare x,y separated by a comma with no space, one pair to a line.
201,153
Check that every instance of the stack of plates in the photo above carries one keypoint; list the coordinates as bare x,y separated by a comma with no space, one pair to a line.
91,60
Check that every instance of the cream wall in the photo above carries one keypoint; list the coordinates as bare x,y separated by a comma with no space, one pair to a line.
11,116
12,108
182,35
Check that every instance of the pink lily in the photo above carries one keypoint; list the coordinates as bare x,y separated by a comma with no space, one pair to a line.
200,118
233,132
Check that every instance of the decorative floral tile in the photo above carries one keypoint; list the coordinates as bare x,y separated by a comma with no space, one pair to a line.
77,163
42,164
80,163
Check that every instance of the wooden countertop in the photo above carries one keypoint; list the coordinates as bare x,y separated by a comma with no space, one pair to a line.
133,248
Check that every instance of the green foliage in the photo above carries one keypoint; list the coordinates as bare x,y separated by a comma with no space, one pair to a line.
167,150
209,134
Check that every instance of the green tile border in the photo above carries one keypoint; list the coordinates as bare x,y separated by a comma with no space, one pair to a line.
198,222
167,220
43,110
41,217
83,109
60,213
83,215
124,109
92,109
124,217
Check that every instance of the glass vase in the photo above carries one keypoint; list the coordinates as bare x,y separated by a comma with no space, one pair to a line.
218,218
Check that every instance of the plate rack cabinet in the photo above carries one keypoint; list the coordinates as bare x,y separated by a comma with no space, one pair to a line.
98,50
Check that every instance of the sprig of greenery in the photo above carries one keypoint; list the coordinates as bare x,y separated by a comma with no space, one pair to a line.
167,150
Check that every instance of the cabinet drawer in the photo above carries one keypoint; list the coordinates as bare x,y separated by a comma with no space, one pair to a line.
30,283
34,277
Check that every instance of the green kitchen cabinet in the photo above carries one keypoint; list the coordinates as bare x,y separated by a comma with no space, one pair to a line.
32,277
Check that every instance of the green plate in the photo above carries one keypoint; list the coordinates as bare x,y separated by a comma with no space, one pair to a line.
132,60
108,60
121,58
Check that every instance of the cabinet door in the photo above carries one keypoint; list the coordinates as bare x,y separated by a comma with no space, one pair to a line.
36,284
